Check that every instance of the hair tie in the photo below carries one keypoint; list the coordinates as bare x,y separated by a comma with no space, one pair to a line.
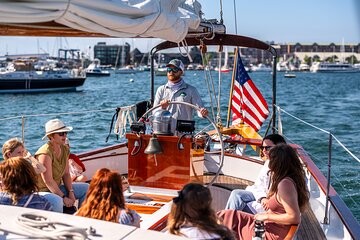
178,198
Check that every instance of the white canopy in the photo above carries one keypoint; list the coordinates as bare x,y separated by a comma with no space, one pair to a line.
166,19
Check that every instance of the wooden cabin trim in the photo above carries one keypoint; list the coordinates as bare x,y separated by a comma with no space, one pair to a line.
104,156
101,150
250,159
159,225
219,39
340,207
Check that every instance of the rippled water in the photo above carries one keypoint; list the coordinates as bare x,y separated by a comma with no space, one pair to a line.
329,101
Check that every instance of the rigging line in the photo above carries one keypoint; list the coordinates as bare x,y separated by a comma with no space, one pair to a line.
207,84
221,13
345,148
64,113
333,174
186,47
322,130
219,88
212,85
235,18
345,190
202,130
309,124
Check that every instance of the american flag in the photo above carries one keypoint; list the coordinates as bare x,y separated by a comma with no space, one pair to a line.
247,102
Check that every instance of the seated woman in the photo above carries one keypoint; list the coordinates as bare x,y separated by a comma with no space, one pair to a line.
105,200
18,185
191,215
254,198
55,183
76,166
15,148
288,197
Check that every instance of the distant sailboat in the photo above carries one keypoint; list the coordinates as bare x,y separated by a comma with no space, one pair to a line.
225,68
124,69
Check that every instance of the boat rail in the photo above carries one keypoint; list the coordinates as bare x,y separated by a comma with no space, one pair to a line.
23,117
350,219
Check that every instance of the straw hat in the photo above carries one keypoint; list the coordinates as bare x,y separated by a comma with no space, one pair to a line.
55,126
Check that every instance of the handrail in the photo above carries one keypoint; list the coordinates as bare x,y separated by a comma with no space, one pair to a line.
23,117
322,130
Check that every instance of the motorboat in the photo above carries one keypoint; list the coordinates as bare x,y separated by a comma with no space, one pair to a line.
161,70
325,67
303,67
261,68
289,75
94,70
17,79
127,70
155,176
282,67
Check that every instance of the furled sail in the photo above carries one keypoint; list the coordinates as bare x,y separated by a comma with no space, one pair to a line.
167,19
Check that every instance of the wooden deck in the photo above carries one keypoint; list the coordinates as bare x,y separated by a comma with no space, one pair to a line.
309,228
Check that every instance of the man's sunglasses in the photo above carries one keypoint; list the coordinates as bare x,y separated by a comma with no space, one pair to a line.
267,148
62,133
174,70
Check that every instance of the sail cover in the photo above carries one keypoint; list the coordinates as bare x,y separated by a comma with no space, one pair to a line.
167,19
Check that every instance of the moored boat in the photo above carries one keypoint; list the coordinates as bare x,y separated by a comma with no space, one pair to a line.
32,81
325,67
94,70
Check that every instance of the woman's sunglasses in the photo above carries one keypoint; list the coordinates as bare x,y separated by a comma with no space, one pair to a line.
62,133
267,148
174,70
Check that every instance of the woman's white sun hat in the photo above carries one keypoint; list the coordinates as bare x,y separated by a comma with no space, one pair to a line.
55,126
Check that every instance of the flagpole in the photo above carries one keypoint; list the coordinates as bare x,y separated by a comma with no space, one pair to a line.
232,88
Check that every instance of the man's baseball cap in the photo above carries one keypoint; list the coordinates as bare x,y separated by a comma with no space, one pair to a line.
176,63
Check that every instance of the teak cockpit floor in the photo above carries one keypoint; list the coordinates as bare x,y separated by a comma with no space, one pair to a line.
309,228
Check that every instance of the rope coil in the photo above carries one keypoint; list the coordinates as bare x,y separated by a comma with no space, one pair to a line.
40,227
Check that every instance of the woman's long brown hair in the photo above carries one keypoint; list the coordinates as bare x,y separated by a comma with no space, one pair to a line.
193,206
104,198
18,178
284,162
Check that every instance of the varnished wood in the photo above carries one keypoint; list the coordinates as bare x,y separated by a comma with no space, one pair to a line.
45,29
152,197
171,169
143,209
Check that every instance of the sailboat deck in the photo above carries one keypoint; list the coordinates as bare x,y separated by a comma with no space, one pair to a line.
309,227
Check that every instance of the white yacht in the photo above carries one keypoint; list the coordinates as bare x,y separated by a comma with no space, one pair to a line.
282,67
333,67
94,70
304,67
261,68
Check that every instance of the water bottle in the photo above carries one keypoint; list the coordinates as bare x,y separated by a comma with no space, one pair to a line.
259,230
148,128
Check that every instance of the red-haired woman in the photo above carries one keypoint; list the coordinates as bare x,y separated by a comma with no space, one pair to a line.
105,200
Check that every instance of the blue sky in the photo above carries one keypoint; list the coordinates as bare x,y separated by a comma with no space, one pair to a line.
282,21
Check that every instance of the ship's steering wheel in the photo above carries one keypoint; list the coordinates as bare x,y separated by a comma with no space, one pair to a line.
212,123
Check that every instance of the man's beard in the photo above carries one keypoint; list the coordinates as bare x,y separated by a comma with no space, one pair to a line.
174,78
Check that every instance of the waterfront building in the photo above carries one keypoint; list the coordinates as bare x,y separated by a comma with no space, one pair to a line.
115,55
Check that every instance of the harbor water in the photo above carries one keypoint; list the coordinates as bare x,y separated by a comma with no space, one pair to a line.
328,101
